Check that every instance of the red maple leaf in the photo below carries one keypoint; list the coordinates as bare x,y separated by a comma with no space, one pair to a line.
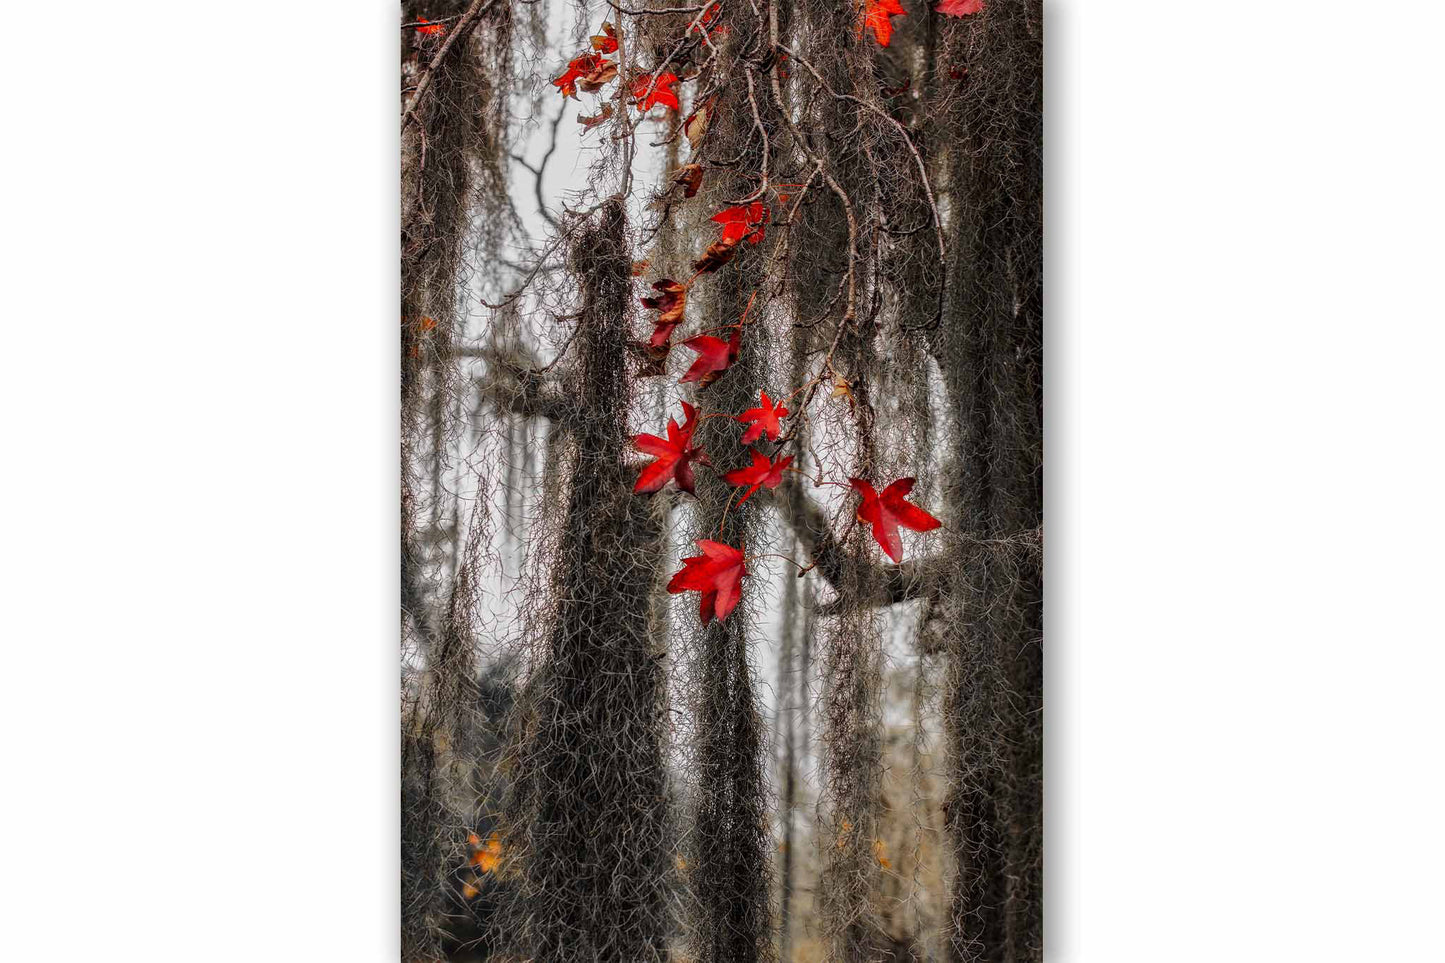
737,220
714,356
430,28
578,68
675,455
761,472
765,420
959,8
888,511
877,15
717,573
659,92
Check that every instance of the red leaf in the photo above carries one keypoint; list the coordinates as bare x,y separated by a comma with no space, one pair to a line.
761,472
607,43
764,419
672,302
888,511
717,573
579,68
659,93
430,28
737,220
714,356
877,14
675,455
959,8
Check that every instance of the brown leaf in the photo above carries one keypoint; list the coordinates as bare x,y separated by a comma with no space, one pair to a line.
695,127
639,268
594,80
690,177
671,300
720,253
591,122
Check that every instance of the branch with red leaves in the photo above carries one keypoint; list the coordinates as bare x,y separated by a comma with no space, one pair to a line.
463,28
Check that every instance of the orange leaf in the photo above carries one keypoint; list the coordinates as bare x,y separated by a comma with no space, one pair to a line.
877,17
591,122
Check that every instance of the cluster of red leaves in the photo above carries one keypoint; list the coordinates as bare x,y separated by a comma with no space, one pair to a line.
717,573
886,512
675,455
710,24
429,28
589,71
877,16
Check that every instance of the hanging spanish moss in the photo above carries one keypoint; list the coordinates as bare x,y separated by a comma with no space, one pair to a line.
590,821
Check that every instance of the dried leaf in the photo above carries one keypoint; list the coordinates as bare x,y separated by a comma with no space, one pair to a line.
591,122
671,300
879,854
718,254
695,127
598,77
690,177
607,42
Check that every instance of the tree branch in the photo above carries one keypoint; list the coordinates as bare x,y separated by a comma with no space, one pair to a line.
464,26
